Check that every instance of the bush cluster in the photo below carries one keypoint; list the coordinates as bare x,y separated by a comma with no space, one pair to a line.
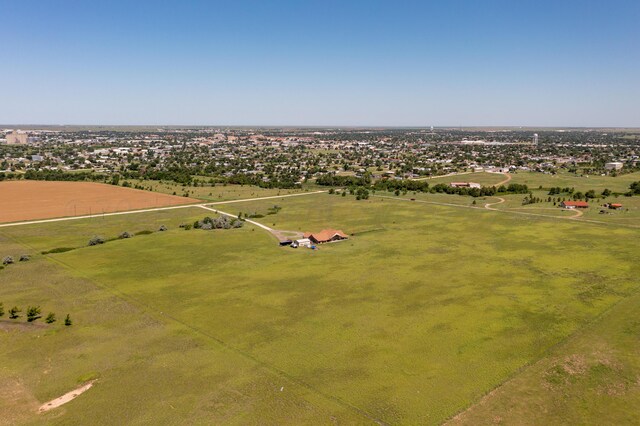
8,260
220,222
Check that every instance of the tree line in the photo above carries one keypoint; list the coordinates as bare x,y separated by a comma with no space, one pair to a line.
33,313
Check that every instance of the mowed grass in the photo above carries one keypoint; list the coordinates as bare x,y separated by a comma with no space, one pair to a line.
581,183
413,319
483,178
218,192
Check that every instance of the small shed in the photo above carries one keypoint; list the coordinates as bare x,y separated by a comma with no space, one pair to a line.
302,242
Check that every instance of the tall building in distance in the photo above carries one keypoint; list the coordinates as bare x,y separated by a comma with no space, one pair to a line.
17,138
535,138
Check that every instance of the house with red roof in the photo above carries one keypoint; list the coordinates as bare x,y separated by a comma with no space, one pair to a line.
574,204
326,236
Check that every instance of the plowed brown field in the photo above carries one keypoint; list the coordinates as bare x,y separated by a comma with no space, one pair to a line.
29,199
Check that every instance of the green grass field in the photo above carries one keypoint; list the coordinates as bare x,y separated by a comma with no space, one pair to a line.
483,178
581,183
425,310
219,192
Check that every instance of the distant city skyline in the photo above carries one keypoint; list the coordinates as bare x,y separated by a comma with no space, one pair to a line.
351,63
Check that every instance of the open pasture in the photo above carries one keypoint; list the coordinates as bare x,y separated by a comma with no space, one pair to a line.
28,200
483,178
580,183
218,192
422,312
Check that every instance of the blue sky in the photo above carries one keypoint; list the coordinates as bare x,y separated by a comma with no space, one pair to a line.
377,63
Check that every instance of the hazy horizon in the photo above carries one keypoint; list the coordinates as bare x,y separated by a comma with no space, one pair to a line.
336,64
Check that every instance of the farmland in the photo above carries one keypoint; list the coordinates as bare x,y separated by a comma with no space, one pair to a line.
425,310
26,200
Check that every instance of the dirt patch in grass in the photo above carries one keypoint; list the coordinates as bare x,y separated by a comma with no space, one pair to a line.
20,325
67,397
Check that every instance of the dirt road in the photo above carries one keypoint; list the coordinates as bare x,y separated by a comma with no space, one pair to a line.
61,219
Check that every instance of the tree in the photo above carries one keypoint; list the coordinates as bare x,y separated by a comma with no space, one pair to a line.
67,320
25,257
33,313
96,241
8,260
51,318
125,234
1,310
13,312
606,192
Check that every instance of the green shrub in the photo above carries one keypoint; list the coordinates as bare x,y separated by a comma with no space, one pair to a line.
13,312
96,241
33,313
58,250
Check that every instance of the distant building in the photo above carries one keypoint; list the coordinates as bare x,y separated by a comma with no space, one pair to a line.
17,138
613,166
302,242
326,236
574,204
465,185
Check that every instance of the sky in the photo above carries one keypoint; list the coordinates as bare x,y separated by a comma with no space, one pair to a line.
321,63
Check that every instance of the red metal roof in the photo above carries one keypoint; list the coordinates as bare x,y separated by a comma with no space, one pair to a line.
326,235
576,203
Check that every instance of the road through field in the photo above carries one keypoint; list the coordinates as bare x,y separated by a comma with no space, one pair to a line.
489,205
442,176
155,209
574,217
504,182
